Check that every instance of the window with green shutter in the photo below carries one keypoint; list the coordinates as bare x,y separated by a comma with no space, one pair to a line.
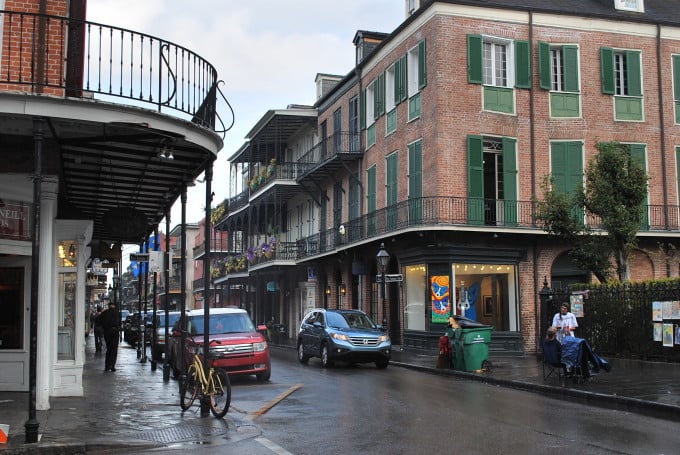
492,180
676,86
371,199
567,169
415,182
621,73
416,78
638,153
559,73
391,191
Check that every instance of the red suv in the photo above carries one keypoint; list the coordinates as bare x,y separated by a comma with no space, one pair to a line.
241,349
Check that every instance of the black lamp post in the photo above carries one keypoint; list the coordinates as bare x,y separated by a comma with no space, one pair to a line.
383,260
545,296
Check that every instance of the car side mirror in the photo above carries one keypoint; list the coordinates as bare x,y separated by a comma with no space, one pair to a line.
261,327
317,324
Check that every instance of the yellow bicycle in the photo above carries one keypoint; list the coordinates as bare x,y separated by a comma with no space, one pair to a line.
215,385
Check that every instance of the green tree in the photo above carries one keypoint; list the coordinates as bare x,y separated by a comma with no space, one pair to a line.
615,192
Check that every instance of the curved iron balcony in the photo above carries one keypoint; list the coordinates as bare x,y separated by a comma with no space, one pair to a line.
64,56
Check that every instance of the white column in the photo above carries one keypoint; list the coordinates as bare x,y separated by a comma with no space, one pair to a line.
47,294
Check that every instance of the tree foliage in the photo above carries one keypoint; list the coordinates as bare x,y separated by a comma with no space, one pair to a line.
615,192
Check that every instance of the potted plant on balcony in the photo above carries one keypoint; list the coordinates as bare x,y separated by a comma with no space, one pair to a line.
251,256
271,168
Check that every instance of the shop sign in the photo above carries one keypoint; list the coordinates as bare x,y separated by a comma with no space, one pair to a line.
14,220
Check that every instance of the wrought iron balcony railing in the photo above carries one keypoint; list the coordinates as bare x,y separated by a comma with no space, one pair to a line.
66,56
217,246
336,144
462,212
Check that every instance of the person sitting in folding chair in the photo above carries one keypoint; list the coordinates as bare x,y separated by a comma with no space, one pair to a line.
552,355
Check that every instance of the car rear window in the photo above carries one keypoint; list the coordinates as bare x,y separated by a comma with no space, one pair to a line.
222,323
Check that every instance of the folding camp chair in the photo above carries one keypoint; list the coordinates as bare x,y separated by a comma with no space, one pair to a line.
552,362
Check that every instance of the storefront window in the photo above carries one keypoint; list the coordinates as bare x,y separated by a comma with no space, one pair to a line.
486,293
416,296
11,308
67,254
66,316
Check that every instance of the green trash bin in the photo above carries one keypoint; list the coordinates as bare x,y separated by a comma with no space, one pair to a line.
470,347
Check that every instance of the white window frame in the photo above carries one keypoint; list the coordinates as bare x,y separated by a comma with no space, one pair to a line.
412,70
492,45
370,106
390,78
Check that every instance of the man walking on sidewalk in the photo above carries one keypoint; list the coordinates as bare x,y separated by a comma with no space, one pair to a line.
110,321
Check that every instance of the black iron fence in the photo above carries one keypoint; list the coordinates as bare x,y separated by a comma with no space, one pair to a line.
619,320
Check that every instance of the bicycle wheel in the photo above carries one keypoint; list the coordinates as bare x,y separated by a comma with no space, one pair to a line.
188,389
220,396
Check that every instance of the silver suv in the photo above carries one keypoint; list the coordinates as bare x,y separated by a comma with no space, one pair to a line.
347,335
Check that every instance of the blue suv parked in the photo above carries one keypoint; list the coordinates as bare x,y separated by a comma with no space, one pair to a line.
346,335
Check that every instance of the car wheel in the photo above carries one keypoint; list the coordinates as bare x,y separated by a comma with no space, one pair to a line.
326,360
382,364
262,377
302,357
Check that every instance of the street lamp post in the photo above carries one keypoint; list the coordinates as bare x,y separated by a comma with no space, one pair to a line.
383,260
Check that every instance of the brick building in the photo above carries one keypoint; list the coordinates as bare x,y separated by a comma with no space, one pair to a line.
436,144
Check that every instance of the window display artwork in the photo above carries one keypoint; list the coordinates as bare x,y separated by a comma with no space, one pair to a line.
677,334
658,330
440,295
668,335
657,308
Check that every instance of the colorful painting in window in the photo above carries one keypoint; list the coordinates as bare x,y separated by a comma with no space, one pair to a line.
441,302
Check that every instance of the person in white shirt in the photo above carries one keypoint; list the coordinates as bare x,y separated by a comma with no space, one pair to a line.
565,322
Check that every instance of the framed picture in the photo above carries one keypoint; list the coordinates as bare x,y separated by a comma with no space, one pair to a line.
657,308
487,301
668,335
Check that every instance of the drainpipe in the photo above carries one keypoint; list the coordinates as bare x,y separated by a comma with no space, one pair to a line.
532,138
662,126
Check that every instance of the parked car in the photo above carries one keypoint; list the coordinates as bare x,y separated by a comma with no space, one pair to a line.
159,345
131,328
347,335
240,348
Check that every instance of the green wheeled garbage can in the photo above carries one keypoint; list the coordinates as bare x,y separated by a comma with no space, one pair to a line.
470,347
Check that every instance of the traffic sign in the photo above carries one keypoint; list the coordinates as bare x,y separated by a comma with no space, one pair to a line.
390,278
139,257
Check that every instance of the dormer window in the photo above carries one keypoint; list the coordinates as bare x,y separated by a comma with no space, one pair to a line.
630,5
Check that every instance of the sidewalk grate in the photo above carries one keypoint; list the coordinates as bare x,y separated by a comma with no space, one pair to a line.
177,433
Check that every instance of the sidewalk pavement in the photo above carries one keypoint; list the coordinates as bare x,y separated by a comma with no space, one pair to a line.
134,409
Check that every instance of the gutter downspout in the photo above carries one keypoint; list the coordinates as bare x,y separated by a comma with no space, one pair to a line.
662,138
532,149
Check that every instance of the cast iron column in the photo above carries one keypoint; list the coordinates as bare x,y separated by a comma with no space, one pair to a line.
31,426
166,306
205,409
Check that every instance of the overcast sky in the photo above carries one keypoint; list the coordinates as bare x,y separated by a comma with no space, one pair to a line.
267,52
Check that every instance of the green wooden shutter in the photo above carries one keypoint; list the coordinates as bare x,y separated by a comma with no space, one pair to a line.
475,179
637,153
415,182
362,109
397,82
381,94
633,73
376,99
575,166
475,67
422,65
544,79
403,93
371,200
522,64
570,54
676,77
607,70
391,192
510,180
567,166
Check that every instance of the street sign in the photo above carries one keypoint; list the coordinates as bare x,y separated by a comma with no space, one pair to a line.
139,257
390,278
